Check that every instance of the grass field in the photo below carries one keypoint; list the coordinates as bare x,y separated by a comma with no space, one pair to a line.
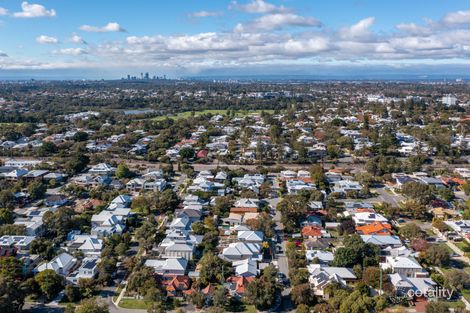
133,304
465,247
240,113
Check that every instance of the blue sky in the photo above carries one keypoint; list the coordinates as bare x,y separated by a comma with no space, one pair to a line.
110,38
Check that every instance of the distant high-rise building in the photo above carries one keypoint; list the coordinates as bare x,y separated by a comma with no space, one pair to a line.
449,100
147,77
128,77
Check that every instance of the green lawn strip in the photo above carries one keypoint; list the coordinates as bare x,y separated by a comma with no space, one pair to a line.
133,304
187,114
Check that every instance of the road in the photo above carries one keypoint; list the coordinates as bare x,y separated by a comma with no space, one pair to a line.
282,261
387,196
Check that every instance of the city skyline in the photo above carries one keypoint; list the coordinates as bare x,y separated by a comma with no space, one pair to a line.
221,38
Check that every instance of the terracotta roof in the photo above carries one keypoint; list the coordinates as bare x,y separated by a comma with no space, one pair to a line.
208,290
375,228
311,231
243,210
241,283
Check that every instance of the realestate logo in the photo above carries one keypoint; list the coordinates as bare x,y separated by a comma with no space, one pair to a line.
436,293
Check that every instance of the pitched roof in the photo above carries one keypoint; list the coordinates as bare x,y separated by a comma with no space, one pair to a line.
375,228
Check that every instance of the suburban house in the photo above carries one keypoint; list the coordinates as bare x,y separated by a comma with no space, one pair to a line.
406,266
87,270
321,276
241,251
63,264
403,284
168,266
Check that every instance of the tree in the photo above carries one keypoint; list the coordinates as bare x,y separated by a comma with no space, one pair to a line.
6,216
419,244
123,171
457,279
11,267
43,247
220,297
410,231
36,190
346,227
303,294
437,307
317,174
436,255
303,308
72,293
414,209
91,306
419,192
187,153
212,269
357,302
371,277
49,282
141,279
77,163
80,136
293,210
264,290
12,294
355,251
466,187
156,307
87,287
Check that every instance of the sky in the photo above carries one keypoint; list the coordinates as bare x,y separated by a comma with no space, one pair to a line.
113,38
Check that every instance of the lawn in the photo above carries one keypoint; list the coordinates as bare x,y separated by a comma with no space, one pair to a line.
133,304
187,114
466,294
465,247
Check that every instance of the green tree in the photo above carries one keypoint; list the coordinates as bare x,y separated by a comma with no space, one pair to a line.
6,216
72,293
91,306
12,294
436,255
264,290
303,294
187,153
37,190
123,171
410,231
437,307
212,269
49,282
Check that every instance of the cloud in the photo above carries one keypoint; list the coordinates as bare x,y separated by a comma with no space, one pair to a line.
205,14
77,39
455,18
278,21
43,39
3,54
34,10
414,29
3,11
255,44
70,51
110,27
360,30
259,6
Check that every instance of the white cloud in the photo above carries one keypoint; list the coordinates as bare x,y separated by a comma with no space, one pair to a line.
259,6
43,39
205,14
110,27
459,17
412,28
3,54
360,30
70,51
77,39
34,10
278,21
3,11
